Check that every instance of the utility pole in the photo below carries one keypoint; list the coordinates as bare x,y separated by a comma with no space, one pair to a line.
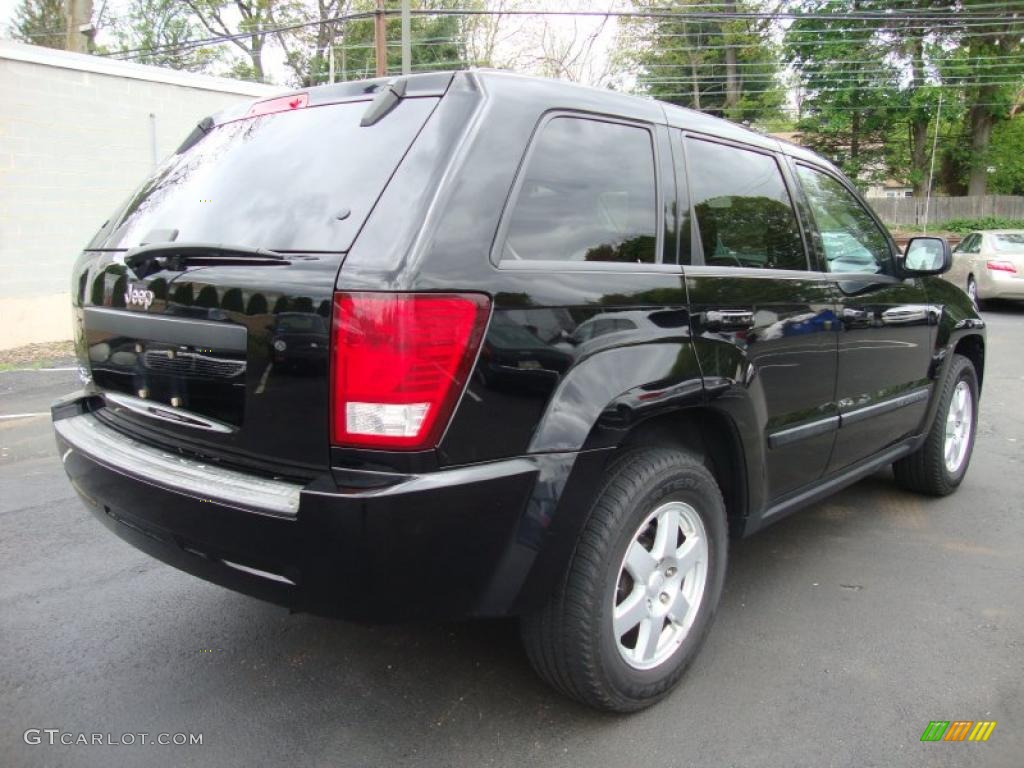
931,172
406,41
380,39
78,23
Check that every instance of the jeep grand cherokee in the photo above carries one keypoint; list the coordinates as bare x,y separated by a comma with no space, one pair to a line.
477,344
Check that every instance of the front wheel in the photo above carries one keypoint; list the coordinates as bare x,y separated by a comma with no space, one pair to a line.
938,467
642,586
972,294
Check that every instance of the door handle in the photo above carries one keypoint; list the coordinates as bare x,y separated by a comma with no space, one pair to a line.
728,319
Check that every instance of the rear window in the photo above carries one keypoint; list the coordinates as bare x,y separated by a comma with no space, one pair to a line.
303,180
1013,243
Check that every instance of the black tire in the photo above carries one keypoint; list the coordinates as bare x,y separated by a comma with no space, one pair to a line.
925,470
570,642
972,292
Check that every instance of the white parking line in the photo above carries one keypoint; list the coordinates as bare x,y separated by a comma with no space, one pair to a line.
40,370
22,415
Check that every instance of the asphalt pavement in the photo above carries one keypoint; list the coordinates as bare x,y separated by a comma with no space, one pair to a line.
844,630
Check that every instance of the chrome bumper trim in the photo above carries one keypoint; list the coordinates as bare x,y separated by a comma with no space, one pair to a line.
106,446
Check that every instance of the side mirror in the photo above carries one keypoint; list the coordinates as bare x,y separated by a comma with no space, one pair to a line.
927,256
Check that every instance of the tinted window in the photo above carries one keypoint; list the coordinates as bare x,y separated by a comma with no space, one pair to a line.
281,181
850,238
744,213
588,195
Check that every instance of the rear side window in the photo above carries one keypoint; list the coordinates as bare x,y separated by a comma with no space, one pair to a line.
588,194
303,180
744,213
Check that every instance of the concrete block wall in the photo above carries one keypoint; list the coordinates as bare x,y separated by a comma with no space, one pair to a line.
76,137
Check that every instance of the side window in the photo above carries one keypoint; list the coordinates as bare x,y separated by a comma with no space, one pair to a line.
743,210
972,244
850,238
588,195
965,244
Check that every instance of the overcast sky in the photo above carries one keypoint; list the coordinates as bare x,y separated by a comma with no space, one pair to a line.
564,30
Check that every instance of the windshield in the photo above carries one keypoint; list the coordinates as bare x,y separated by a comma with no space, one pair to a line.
303,180
1009,242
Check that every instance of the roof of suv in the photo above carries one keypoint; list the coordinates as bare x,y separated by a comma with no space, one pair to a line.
437,83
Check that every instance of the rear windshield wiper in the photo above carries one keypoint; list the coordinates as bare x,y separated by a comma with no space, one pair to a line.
176,256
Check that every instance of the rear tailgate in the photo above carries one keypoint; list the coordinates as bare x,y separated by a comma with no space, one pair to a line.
215,337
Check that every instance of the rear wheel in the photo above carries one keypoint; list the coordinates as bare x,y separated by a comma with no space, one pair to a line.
938,467
642,586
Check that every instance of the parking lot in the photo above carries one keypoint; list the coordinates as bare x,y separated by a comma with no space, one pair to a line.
843,631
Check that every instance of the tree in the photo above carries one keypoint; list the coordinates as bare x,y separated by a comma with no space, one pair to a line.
159,30
851,98
991,90
728,67
249,26
39,22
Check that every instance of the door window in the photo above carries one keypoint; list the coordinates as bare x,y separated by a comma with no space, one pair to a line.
588,195
850,238
744,213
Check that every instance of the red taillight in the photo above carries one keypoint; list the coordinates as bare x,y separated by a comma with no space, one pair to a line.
398,365
280,104
1000,266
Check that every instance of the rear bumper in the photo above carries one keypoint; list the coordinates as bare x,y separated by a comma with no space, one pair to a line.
445,544
1000,285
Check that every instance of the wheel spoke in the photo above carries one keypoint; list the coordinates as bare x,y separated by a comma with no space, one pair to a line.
680,608
647,638
630,612
639,562
689,554
668,533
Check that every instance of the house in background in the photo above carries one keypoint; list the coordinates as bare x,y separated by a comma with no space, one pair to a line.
890,188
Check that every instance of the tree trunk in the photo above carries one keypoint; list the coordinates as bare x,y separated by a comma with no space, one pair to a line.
919,159
732,85
980,121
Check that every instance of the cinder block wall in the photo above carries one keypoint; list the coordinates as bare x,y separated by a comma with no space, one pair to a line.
77,134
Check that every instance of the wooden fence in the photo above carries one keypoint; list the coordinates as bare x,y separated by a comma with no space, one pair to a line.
910,210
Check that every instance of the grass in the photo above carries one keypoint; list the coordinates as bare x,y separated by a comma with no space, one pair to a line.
34,356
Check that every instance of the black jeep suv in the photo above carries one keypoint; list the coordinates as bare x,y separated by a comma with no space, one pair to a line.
477,344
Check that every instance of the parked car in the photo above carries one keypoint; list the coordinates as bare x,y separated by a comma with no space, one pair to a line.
989,264
578,340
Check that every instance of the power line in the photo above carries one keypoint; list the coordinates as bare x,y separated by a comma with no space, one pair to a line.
687,15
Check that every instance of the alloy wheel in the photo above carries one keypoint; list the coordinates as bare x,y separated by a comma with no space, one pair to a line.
959,420
661,584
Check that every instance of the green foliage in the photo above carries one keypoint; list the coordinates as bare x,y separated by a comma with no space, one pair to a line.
963,226
684,60
158,30
39,22
846,109
1006,156
438,43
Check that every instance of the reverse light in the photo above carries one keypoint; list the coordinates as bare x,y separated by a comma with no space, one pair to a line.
399,364
997,265
280,104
